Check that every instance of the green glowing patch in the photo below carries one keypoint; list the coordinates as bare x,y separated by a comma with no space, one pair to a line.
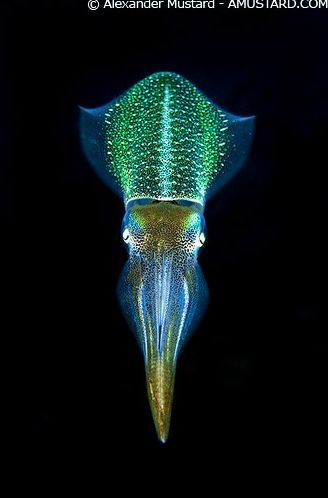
164,139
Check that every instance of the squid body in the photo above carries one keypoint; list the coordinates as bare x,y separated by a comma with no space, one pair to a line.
164,147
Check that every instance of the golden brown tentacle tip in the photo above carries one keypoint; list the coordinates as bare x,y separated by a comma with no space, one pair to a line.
160,385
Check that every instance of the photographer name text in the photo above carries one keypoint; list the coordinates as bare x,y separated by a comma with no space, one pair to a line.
207,4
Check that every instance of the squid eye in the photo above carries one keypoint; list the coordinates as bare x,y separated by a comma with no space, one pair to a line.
201,239
126,235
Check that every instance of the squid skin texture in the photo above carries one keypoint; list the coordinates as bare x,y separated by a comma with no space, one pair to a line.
164,147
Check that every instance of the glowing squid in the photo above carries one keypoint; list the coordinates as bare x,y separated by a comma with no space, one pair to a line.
164,148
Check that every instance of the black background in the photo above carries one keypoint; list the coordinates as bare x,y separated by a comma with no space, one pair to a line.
253,378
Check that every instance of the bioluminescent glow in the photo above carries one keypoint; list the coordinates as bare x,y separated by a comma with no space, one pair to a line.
165,148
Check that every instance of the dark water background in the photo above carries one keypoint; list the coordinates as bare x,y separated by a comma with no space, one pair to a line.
253,379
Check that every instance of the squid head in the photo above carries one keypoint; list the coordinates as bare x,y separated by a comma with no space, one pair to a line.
162,291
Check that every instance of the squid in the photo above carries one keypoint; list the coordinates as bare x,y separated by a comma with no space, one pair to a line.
164,148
